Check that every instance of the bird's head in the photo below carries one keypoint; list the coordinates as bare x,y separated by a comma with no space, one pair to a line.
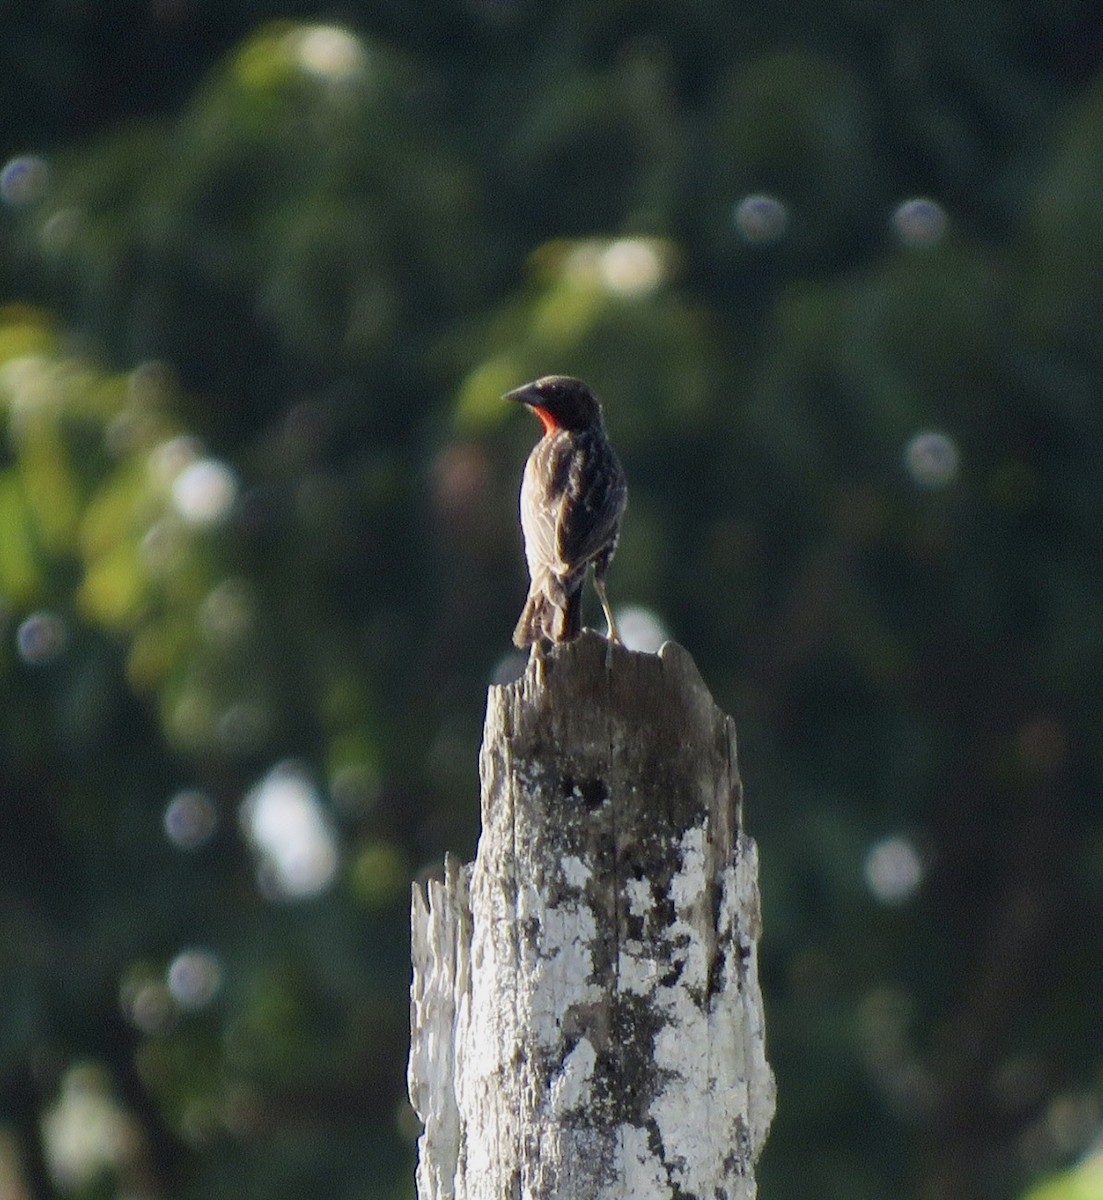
560,401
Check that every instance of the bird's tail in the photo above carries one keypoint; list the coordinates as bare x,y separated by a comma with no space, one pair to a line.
549,619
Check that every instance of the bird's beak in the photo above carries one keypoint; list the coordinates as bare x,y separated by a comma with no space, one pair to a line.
525,394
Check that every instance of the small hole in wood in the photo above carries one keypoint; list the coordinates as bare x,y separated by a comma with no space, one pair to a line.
594,792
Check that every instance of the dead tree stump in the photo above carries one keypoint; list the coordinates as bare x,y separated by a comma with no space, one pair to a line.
586,1017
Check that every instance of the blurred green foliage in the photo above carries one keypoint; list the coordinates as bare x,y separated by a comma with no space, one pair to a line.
834,271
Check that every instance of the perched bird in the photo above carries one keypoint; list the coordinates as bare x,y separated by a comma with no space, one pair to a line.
573,496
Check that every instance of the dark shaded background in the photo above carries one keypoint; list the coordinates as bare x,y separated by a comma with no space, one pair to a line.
835,269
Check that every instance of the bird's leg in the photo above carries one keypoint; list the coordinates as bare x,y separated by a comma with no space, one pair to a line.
599,587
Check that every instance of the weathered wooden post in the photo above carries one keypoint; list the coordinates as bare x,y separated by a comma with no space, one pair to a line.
586,1017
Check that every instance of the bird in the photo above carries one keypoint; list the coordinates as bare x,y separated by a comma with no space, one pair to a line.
573,496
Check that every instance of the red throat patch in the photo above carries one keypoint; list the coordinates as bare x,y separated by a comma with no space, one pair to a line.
547,420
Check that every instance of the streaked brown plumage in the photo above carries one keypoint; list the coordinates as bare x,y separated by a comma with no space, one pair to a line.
573,495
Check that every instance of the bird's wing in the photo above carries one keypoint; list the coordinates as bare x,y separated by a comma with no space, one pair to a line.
593,502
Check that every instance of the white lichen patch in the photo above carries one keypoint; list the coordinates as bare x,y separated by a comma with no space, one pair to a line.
637,971
560,968
688,885
568,931
641,1175
638,892
576,873
691,934
570,1088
